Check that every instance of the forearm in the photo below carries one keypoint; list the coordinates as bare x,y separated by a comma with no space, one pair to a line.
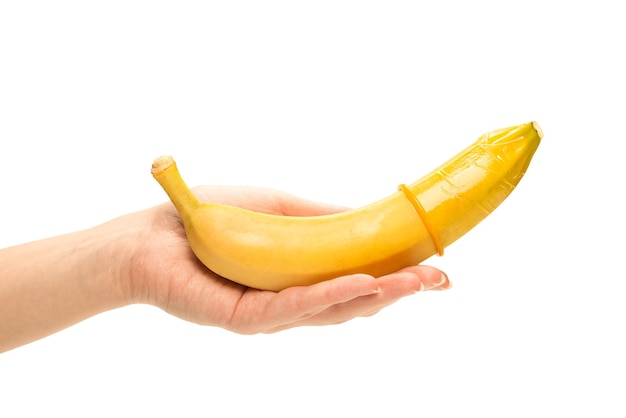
48,285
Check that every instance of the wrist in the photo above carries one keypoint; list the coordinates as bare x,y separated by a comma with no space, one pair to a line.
119,242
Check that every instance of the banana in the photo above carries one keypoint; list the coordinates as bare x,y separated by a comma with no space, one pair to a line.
419,220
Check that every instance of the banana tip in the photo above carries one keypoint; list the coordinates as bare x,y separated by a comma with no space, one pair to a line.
537,128
161,164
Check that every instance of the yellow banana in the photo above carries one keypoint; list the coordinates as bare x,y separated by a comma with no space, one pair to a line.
419,220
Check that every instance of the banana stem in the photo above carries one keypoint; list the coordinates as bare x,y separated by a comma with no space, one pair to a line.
165,171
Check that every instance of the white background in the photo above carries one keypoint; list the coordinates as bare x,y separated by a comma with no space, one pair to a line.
337,101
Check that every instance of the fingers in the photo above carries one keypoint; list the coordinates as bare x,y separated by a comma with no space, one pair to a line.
343,299
309,208
297,206
426,277
400,284
265,200
301,303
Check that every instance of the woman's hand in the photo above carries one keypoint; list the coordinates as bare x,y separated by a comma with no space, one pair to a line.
164,272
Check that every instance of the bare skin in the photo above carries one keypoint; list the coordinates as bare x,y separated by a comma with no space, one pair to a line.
144,257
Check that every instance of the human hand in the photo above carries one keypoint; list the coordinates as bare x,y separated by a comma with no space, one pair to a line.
164,272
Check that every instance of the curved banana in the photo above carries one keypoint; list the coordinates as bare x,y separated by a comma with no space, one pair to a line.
419,220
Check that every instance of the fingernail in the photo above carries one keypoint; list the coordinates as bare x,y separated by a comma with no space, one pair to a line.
445,285
441,284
